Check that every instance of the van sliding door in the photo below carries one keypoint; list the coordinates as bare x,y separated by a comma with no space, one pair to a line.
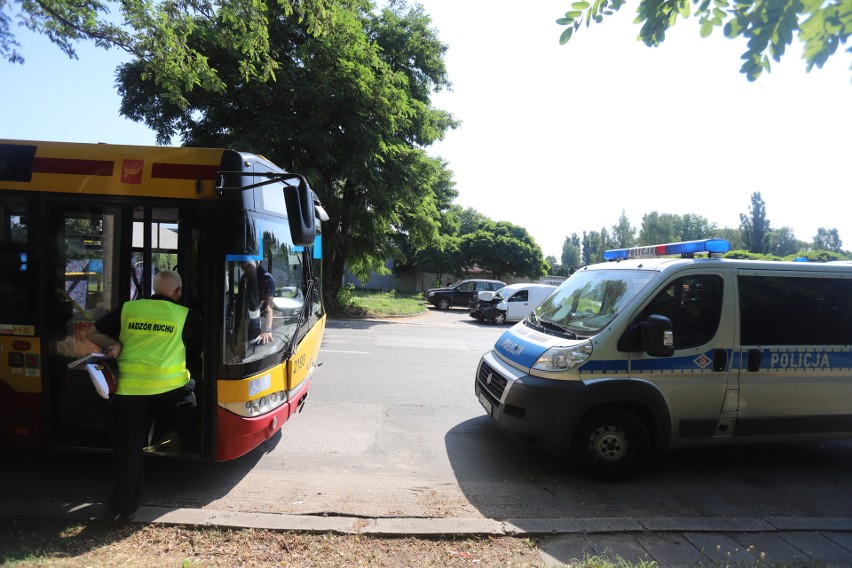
795,354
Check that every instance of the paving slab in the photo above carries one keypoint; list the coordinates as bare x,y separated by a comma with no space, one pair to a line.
721,550
618,548
819,547
771,549
564,550
670,549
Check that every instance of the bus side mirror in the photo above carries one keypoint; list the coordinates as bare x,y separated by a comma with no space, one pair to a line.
301,213
653,336
657,336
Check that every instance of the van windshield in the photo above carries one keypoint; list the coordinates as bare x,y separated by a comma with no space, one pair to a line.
499,294
588,301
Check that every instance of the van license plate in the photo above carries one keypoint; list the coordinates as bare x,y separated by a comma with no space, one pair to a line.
486,404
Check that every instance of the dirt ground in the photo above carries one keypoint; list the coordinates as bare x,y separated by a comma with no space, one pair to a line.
39,542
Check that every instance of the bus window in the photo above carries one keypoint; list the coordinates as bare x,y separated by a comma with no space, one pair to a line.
86,246
265,293
164,248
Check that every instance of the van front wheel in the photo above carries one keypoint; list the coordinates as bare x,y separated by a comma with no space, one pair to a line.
611,444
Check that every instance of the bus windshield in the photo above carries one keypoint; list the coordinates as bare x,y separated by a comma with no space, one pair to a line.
265,293
589,300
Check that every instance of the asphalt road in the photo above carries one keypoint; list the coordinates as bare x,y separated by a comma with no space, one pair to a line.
392,429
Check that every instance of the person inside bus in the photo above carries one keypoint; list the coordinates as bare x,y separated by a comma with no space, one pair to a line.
257,289
157,343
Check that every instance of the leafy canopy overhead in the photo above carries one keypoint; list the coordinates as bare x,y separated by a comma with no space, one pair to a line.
350,109
159,34
768,26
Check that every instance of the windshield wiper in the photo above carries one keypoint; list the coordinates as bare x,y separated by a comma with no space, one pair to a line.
546,326
556,327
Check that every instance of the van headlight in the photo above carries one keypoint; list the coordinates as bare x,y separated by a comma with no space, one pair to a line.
563,358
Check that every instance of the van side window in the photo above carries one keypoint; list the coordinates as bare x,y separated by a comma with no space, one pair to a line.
520,296
776,310
694,305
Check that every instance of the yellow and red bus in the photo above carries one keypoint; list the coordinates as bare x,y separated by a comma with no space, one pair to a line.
84,227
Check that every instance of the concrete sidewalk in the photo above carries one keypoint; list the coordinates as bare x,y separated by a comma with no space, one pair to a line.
668,541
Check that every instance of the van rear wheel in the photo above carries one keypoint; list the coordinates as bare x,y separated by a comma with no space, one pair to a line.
611,444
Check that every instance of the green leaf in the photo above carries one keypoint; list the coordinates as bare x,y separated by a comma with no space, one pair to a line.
580,5
566,35
573,14
706,28
732,29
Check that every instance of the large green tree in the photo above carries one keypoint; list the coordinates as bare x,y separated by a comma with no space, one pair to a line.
350,109
658,228
442,256
767,26
504,249
162,35
692,227
783,242
623,233
468,239
755,227
828,239
571,254
594,244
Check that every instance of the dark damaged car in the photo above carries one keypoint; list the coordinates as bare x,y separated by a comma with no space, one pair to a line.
461,293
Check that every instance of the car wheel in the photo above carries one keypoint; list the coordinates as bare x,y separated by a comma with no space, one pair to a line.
611,444
443,304
500,318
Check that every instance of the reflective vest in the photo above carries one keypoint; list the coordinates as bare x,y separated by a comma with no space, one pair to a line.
153,356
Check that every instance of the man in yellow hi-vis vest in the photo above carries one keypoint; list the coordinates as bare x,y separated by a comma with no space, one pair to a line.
153,340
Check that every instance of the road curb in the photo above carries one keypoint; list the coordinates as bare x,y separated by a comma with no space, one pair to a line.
425,526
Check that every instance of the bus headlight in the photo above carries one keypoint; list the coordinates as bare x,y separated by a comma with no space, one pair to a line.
258,406
561,358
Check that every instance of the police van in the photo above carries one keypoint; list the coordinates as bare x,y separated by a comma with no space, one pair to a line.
649,352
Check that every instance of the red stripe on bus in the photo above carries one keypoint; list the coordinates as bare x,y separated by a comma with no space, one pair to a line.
183,171
72,166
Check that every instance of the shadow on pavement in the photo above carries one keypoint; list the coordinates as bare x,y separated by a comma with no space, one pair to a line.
86,477
504,480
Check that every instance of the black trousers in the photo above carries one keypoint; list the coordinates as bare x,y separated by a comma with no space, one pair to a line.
131,416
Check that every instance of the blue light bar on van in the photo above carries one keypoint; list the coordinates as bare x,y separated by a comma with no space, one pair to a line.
687,248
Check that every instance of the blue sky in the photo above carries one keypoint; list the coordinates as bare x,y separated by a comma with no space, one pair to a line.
562,139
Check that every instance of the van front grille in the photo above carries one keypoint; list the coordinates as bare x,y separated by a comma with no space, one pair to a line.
491,382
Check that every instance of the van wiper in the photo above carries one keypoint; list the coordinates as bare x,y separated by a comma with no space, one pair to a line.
550,326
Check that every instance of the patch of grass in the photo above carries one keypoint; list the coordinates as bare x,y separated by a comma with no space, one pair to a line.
390,303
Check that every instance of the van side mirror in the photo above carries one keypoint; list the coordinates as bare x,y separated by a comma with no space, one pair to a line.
653,335
657,336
